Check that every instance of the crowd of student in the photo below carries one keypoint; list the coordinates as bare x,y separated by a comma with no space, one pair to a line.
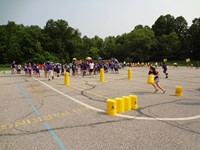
56,69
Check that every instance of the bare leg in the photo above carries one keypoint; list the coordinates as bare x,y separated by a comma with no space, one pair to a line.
156,89
160,87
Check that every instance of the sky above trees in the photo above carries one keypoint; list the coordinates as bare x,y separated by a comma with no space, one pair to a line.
96,17
169,37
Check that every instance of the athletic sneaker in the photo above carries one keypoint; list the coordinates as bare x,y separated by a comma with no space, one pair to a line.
155,91
164,92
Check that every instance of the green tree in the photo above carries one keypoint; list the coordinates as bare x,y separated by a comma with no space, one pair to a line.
164,25
181,29
194,50
140,42
94,53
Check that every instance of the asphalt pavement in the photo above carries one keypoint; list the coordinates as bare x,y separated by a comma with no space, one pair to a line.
39,114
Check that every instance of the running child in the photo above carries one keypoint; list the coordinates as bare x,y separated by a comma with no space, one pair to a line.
164,66
156,84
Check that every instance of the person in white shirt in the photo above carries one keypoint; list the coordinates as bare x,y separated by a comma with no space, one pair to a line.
19,69
91,67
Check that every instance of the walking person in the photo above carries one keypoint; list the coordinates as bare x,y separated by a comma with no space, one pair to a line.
67,67
63,69
45,69
116,66
156,84
19,69
164,66
26,69
12,66
30,70
84,68
91,68
37,70
50,71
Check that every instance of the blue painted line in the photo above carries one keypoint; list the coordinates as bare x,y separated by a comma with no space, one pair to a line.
30,102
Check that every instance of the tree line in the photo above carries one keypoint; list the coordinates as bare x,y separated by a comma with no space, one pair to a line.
169,37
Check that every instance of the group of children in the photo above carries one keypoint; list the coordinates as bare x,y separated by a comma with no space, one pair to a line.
56,69
89,67
93,68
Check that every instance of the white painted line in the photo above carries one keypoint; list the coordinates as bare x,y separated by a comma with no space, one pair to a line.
119,115
73,99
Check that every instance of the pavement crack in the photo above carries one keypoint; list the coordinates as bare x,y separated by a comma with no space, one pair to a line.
83,92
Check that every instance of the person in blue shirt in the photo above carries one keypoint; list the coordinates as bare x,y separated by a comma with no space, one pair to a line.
164,66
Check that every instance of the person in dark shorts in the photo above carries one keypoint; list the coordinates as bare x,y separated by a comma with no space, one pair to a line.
19,69
74,69
67,67
12,66
30,69
156,84
164,66
26,69
116,66
37,70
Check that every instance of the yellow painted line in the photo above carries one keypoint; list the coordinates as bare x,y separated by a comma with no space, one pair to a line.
37,89
30,121
79,89
95,94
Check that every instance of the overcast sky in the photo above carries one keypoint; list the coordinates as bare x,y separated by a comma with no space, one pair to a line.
97,17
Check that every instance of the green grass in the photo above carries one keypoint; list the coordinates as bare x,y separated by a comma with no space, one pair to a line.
181,63
4,67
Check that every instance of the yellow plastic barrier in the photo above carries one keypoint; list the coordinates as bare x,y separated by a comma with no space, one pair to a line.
150,79
111,107
102,75
130,74
134,101
120,105
179,91
127,103
67,79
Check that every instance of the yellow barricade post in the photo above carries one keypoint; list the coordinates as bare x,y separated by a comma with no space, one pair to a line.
134,101
130,74
127,103
111,107
102,75
67,79
150,79
120,105
179,91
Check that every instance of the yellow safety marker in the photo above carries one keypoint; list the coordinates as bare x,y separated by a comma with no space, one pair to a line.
134,101
130,74
111,107
67,79
120,105
179,91
150,79
102,75
127,103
